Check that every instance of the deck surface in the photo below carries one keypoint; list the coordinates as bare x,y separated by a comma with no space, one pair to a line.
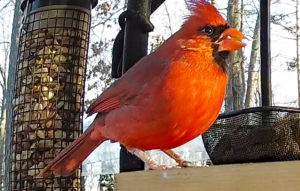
273,176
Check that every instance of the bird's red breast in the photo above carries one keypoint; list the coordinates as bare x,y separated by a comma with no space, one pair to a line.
195,93
192,91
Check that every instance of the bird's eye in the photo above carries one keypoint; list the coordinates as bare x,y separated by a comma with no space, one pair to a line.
207,30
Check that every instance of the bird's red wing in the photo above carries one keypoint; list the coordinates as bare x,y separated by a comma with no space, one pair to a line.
103,105
120,92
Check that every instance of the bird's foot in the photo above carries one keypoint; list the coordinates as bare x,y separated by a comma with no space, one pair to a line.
186,164
178,159
183,164
161,167
157,167
150,164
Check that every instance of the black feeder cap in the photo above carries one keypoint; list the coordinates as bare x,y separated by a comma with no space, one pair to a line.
42,3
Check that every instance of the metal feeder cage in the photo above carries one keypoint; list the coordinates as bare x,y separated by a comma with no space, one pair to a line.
48,99
255,135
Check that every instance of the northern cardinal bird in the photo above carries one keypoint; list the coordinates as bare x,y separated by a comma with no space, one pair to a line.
166,99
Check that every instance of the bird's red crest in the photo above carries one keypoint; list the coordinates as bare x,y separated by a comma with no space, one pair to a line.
205,11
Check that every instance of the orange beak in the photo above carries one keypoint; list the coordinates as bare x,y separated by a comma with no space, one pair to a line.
231,40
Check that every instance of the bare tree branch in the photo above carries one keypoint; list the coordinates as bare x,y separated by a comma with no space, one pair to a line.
169,18
5,6
102,22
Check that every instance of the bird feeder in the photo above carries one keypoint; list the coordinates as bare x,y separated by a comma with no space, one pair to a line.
258,134
48,98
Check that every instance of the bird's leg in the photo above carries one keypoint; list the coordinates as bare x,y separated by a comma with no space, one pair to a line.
178,159
146,159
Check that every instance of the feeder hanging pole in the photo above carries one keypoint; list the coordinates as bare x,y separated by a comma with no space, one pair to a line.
135,48
265,53
136,40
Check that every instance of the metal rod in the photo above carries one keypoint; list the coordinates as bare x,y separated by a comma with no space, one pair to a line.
135,47
136,41
265,52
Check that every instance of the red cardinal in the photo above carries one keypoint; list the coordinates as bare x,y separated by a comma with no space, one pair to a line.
166,99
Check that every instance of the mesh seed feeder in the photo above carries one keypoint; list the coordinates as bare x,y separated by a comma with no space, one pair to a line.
48,99
255,135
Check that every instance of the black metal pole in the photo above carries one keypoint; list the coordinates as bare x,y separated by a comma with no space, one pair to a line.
135,47
136,40
265,52
117,66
